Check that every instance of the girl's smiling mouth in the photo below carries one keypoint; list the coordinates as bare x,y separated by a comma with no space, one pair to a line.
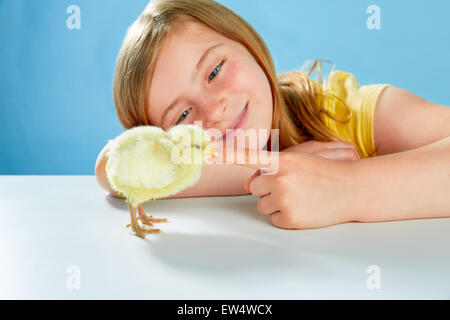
238,123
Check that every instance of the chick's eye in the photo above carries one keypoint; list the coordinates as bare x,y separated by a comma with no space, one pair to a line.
216,71
183,115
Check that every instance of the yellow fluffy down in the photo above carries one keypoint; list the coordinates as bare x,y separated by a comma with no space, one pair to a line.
140,165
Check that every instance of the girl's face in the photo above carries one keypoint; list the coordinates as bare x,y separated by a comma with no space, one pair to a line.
202,75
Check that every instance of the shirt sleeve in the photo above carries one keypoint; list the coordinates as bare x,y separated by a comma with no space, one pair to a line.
355,123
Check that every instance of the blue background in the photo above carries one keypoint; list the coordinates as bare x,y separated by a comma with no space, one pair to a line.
56,106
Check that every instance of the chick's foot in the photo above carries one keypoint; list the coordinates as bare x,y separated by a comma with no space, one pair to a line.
137,229
148,220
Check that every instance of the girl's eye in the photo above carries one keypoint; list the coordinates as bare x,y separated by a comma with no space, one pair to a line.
210,78
215,71
183,115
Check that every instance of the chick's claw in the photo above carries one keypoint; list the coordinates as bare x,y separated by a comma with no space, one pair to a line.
137,229
148,220
141,231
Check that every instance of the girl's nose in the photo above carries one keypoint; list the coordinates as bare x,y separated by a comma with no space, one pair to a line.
213,112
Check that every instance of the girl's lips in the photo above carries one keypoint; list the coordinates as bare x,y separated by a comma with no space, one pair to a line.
239,123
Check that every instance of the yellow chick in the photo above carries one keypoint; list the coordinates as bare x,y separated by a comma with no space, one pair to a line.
147,163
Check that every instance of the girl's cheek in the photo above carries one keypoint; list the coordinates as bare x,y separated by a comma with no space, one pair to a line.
226,79
239,79
232,77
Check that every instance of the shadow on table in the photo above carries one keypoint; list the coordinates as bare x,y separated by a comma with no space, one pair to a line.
206,254
239,254
201,207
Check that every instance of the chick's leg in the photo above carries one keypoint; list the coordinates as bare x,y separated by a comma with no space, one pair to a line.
140,232
148,220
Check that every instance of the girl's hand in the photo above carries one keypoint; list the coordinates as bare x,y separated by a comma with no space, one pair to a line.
343,151
307,191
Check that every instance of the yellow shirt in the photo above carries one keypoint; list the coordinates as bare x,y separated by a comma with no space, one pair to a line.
362,101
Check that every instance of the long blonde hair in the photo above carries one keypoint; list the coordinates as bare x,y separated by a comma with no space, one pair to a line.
296,97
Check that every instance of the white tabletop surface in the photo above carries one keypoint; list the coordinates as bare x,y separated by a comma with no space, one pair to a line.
63,237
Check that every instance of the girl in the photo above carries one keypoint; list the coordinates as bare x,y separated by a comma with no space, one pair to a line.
184,61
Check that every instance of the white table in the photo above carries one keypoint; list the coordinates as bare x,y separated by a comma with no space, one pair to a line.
63,237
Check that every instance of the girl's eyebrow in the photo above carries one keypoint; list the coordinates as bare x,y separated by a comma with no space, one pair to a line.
197,68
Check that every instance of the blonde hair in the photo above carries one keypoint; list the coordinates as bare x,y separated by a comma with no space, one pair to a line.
296,97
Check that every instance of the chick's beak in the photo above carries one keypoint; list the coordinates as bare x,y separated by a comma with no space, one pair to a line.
209,152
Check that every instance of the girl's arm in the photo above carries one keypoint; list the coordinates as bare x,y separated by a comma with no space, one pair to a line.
407,185
229,180
411,177
405,121
216,180
309,192
100,173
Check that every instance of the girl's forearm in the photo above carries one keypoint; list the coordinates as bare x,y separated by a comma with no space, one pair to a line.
100,173
408,185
